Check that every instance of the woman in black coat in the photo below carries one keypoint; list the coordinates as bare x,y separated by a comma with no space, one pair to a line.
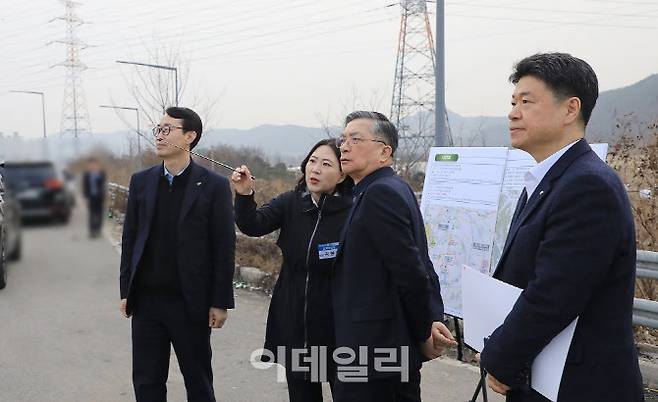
310,218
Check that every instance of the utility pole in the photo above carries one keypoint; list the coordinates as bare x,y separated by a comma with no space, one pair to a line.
441,139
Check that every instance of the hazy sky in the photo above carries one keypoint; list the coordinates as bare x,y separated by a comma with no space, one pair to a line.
303,61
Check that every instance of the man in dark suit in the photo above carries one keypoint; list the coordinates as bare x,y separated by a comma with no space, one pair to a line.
93,189
571,246
386,293
177,262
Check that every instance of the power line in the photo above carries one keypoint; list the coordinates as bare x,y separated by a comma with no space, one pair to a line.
211,35
513,32
92,53
173,14
623,2
284,30
298,39
104,50
547,10
579,23
126,42
116,74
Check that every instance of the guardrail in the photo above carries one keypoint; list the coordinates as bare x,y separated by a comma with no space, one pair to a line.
647,264
645,312
118,199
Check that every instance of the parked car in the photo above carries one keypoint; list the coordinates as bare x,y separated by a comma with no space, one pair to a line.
40,189
10,229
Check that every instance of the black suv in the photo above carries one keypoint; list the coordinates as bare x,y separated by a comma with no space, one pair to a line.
10,229
40,190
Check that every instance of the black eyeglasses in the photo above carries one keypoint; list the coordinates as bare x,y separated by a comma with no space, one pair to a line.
165,130
352,141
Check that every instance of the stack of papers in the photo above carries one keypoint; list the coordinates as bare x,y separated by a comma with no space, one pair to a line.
486,304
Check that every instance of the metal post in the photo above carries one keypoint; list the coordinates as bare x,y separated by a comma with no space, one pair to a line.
460,342
43,113
43,116
176,77
169,68
139,145
139,134
440,100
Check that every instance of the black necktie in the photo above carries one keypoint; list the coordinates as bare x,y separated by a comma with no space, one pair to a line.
523,199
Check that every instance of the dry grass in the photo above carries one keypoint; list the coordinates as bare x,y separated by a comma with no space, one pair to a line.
637,165
262,253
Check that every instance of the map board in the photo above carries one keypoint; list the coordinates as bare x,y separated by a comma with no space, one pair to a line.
459,206
468,201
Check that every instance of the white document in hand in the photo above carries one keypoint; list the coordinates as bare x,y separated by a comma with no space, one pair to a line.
486,302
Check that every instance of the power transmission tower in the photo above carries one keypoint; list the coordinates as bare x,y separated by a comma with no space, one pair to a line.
412,107
75,117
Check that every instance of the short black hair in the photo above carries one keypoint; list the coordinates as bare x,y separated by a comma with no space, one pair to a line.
191,121
345,187
565,75
381,127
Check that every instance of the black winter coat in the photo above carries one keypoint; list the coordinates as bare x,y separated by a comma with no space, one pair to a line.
301,311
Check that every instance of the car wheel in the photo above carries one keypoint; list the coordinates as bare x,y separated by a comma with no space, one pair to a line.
62,219
17,253
3,269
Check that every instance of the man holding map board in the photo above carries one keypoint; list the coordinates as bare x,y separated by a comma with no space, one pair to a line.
570,247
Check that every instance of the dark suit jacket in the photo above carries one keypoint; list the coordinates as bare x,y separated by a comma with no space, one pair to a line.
572,250
206,238
386,293
87,185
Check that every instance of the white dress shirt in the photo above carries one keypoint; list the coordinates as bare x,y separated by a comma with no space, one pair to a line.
535,175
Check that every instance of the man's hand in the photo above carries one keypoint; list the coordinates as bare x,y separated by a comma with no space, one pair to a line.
429,350
496,385
217,317
122,308
442,336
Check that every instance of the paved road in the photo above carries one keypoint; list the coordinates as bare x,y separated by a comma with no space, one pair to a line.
62,339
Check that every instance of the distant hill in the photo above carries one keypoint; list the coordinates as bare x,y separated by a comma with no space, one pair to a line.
636,104
285,143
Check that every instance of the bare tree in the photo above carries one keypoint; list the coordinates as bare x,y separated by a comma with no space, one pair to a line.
332,121
153,90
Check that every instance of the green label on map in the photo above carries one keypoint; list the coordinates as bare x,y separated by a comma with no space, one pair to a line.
446,157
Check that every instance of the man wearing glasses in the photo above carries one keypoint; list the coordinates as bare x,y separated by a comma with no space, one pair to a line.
177,262
386,293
